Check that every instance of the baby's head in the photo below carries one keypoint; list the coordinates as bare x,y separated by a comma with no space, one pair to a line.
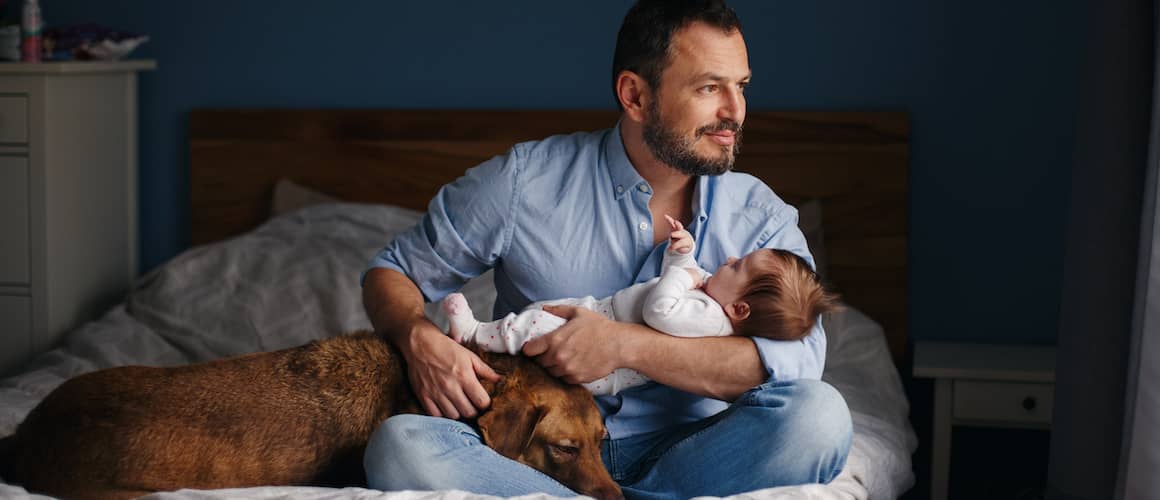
770,293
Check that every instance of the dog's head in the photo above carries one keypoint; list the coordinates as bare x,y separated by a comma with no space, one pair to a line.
548,425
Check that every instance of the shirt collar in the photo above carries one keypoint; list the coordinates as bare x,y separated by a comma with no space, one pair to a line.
622,174
705,185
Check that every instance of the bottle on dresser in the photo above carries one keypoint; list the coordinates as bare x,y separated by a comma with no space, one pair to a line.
31,25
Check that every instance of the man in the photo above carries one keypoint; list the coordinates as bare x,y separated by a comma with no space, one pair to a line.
583,214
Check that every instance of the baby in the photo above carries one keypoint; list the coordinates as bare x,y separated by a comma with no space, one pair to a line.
769,293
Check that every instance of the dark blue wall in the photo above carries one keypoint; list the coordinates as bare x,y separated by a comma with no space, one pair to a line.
990,87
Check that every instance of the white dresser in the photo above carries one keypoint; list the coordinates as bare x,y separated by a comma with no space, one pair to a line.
68,198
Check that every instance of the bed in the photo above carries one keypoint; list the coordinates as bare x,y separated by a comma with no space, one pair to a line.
287,206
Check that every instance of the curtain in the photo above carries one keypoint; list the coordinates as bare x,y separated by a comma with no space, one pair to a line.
1094,453
1140,457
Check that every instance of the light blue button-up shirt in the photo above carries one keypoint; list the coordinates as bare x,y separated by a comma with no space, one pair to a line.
568,216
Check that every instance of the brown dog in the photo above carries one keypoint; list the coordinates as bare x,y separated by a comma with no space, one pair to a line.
299,416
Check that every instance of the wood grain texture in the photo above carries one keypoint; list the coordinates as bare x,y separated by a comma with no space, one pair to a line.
855,163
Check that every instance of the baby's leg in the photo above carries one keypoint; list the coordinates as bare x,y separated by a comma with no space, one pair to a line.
514,330
505,335
462,321
600,386
619,380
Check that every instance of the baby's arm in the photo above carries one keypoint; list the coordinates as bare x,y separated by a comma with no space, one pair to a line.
675,307
681,246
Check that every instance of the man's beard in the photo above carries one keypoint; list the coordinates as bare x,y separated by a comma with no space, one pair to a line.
680,153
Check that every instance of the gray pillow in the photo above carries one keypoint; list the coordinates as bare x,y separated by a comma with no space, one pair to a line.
810,222
290,196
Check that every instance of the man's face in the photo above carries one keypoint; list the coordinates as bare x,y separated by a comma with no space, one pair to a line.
693,122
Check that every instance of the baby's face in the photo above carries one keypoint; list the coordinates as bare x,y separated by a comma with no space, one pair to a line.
727,285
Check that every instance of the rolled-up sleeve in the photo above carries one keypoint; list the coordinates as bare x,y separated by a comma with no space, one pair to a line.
792,359
466,229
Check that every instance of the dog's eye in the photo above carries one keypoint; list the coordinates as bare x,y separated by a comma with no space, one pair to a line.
564,451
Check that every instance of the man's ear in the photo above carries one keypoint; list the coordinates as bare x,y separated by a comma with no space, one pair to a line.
737,311
508,426
634,93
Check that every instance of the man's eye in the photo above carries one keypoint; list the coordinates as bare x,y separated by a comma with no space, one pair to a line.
708,89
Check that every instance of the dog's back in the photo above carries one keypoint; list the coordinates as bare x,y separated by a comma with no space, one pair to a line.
292,417
134,430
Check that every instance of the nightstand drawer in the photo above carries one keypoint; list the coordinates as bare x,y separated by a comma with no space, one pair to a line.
1003,402
13,119
13,220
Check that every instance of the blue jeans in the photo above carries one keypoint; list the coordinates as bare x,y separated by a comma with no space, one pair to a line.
776,434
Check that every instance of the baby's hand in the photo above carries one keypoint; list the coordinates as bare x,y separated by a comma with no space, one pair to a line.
680,241
696,274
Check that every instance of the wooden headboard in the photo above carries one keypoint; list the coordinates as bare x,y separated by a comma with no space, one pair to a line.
855,163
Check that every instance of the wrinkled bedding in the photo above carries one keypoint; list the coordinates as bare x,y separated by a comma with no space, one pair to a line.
295,279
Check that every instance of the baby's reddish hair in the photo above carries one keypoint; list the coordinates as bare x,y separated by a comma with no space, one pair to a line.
784,300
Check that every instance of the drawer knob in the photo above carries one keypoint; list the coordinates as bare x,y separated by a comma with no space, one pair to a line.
1029,403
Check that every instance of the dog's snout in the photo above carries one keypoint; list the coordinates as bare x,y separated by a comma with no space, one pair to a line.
608,493
601,486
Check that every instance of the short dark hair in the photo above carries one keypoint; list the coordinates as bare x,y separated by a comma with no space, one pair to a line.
642,46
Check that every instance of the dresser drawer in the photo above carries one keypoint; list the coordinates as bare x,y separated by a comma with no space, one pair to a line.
13,119
15,332
1003,402
13,220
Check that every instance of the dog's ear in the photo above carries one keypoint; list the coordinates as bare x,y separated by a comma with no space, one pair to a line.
509,425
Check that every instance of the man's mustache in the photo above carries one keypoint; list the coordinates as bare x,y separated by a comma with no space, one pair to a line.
729,125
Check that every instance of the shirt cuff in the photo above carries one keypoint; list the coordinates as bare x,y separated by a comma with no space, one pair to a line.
793,359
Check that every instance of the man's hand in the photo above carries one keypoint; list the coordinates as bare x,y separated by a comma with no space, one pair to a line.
680,240
445,375
584,349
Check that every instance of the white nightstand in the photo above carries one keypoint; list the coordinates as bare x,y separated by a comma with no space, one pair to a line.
986,386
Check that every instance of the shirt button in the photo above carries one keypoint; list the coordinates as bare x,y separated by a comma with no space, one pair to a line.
643,188
619,189
643,226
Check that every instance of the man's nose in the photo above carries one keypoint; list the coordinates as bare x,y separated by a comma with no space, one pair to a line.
733,106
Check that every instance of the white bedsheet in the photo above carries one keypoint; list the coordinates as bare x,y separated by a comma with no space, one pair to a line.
295,279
